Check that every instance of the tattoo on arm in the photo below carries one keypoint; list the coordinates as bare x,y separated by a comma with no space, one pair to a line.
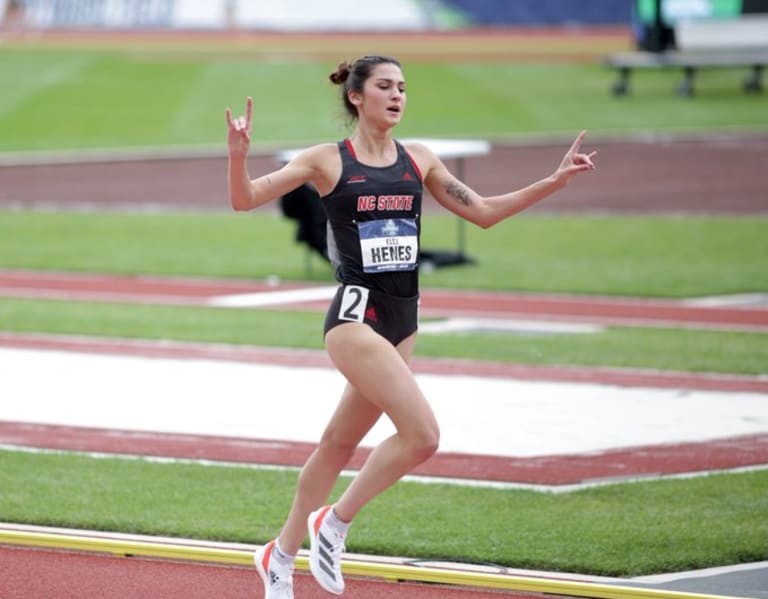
458,192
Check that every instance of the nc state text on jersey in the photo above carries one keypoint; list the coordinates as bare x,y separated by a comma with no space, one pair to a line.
370,203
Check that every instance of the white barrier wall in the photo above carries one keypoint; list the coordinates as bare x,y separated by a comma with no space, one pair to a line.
746,32
330,14
196,14
296,15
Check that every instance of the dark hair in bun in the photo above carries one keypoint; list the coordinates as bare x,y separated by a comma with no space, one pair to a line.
340,75
353,76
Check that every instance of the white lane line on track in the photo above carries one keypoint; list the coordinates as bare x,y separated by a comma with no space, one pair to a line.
505,325
272,298
735,300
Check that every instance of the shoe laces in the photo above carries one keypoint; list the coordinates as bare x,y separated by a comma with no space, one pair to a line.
281,581
283,584
337,547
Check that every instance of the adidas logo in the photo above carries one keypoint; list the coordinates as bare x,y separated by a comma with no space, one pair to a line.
326,561
370,314
407,177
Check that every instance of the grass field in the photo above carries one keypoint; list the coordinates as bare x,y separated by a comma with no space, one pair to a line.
621,530
107,93
604,255
67,98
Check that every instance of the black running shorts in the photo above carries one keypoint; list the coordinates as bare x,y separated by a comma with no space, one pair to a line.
394,318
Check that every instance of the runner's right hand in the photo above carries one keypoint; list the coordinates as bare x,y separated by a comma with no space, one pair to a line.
239,131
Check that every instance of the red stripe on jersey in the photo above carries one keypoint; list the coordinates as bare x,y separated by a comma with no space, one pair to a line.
350,148
415,166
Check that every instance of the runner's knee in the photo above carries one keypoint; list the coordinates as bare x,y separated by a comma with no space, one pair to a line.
423,443
337,446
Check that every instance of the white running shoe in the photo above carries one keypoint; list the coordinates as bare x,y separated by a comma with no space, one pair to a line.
326,547
278,579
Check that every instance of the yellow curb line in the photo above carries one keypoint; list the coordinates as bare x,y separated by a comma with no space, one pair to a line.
168,549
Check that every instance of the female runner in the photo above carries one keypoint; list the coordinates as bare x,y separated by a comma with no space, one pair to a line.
371,188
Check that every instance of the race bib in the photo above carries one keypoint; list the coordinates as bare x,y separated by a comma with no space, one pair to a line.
354,299
389,244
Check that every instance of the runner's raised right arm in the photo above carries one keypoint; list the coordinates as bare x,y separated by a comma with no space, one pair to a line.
246,193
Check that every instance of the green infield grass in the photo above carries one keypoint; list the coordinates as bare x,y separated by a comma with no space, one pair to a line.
605,255
619,530
69,98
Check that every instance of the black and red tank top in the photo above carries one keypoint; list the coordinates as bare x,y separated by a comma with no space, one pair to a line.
374,223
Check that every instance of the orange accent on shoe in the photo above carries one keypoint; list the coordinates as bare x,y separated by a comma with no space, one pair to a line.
320,516
267,555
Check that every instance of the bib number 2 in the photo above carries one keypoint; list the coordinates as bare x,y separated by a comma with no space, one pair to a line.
354,299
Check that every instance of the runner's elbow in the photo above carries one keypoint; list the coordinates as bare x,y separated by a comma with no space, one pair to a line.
482,220
242,202
238,207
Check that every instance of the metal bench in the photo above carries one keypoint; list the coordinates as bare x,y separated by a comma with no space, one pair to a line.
689,62
699,44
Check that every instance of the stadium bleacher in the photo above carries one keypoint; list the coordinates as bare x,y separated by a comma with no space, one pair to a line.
312,15
216,14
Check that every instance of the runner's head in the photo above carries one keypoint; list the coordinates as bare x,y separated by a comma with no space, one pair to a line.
377,76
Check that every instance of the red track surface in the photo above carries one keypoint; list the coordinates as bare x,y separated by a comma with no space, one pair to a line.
44,574
651,460
435,302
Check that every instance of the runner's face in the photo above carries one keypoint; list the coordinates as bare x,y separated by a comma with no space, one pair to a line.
384,95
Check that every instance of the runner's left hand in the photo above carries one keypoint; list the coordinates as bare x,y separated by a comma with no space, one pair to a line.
575,162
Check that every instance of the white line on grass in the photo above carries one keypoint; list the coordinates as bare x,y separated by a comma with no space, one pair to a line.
432,480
